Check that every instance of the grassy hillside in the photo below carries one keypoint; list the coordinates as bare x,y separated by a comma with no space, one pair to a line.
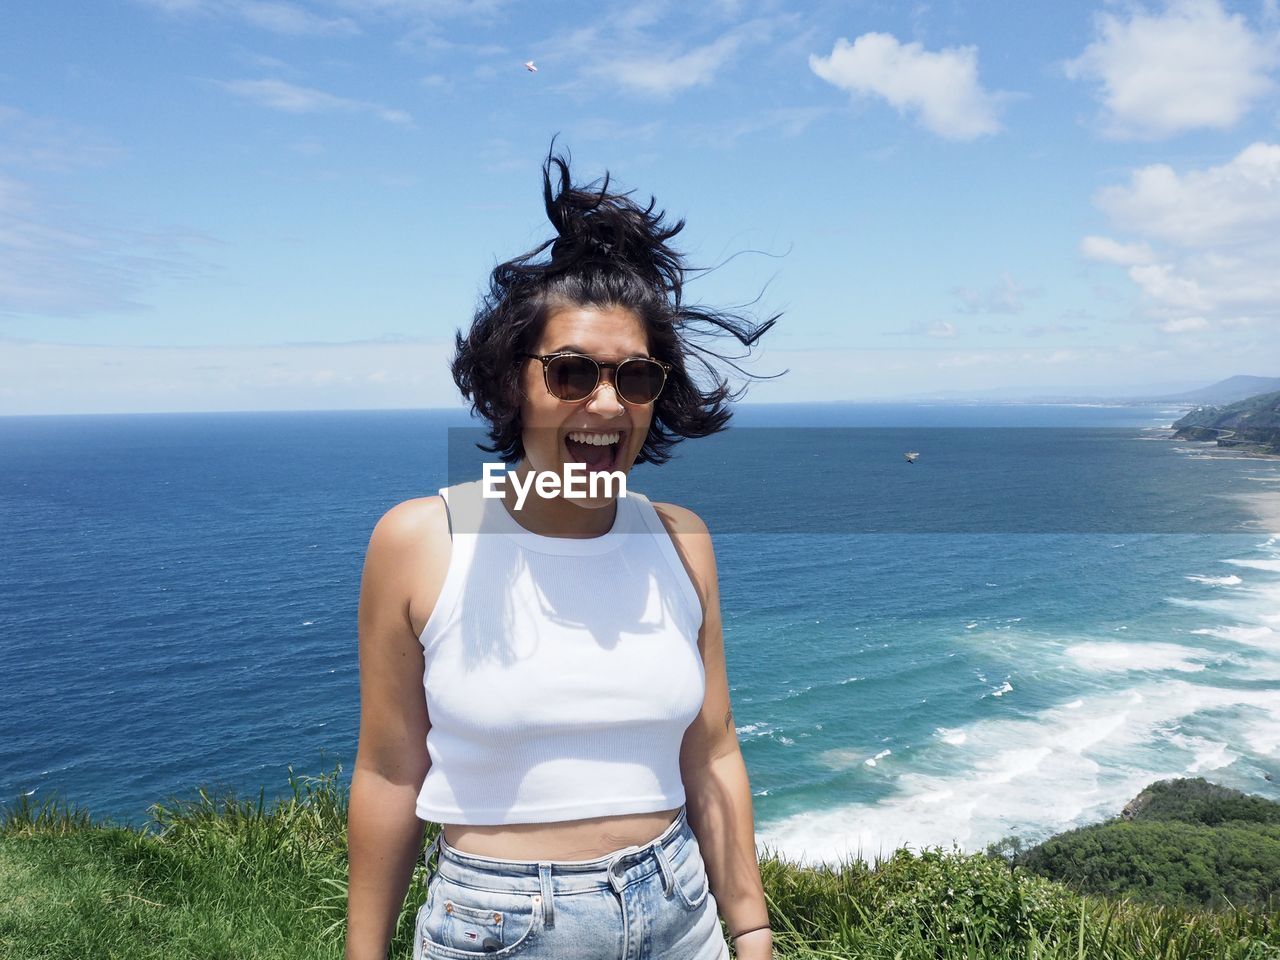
1255,421
1180,842
228,878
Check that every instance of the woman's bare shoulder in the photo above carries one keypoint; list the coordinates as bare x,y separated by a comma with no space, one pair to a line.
692,540
412,525
409,555
680,520
408,537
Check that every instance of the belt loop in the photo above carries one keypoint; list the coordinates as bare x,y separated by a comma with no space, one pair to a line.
615,880
668,874
548,901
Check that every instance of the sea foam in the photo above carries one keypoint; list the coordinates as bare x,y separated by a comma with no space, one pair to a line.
1105,657
1032,776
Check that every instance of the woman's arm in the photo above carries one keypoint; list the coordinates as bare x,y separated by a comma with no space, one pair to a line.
717,791
409,550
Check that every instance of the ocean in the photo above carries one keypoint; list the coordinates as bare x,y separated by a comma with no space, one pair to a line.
1052,607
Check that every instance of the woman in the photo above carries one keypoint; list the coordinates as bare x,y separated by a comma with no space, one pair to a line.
562,662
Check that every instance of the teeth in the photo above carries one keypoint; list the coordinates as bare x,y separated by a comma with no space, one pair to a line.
595,439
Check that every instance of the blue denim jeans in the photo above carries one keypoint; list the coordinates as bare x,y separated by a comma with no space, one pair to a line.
650,902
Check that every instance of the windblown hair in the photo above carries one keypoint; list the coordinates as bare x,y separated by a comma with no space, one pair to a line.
608,252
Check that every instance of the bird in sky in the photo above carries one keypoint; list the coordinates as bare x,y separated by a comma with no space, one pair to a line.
530,67
910,457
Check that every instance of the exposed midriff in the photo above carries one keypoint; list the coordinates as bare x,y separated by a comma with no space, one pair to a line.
565,840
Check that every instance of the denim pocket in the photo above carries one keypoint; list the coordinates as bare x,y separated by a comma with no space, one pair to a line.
460,921
692,884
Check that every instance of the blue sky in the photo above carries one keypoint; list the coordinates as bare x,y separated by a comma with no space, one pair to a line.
252,204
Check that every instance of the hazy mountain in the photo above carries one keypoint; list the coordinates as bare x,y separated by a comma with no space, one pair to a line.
1223,392
1231,390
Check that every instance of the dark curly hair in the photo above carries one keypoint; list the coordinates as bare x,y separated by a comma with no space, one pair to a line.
608,252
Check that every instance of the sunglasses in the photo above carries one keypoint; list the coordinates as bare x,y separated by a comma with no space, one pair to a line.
573,376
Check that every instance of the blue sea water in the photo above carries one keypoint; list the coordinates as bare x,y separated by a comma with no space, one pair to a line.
1053,607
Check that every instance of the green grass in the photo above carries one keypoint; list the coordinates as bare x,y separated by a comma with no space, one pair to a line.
222,877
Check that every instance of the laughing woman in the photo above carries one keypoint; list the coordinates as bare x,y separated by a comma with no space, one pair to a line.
548,683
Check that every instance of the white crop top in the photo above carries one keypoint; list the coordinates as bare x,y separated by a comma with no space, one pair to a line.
561,673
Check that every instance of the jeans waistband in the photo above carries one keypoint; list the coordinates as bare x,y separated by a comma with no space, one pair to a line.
614,869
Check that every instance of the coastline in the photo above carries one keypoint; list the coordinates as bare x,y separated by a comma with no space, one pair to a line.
1214,448
1264,504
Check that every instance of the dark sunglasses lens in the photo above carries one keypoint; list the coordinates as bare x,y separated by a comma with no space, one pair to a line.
640,381
572,378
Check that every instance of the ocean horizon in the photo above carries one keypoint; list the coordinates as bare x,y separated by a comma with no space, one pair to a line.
1054,606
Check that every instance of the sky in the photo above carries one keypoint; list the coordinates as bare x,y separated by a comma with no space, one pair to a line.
295,204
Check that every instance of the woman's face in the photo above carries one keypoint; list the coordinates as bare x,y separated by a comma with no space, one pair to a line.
557,432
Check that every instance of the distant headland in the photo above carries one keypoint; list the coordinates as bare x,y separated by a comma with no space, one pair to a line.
1250,425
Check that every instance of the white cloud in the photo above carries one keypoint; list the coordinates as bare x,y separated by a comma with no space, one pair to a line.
1162,285
1019,358
178,6
1111,251
937,329
291,98
1008,296
663,76
1191,66
287,18
1051,329
941,87
1236,202
437,81
1206,242
657,50
426,9
75,378
421,19
55,264
1185,325
618,53
276,16
47,145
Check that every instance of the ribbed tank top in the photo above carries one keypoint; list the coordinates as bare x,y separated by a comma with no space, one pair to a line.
560,673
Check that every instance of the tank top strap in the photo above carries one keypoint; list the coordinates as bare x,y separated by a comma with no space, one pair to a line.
465,507
648,515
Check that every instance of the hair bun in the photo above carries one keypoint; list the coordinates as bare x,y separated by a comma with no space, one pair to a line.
571,246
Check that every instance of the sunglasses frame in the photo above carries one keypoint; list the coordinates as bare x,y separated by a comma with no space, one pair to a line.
601,366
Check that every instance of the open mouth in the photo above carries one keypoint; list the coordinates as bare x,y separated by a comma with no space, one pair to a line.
597,450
